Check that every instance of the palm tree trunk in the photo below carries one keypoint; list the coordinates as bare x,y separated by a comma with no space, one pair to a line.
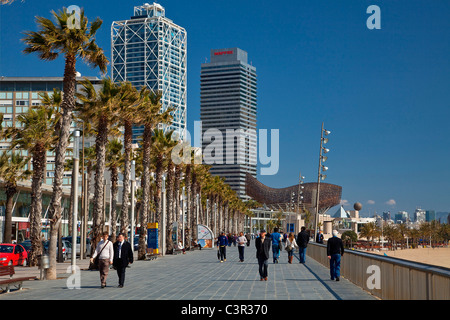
72,195
176,196
158,197
39,160
128,135
146,161
114,191
10,192
99,184
187,240
55,209
169,207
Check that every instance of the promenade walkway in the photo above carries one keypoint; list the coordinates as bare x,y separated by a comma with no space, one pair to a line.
198,275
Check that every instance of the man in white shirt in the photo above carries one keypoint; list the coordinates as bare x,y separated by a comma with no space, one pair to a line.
105,253
241,246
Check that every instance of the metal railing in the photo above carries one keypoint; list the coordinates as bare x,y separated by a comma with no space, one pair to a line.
389,278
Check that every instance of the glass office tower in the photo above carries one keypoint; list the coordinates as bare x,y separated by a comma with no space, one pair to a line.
228,115
150,50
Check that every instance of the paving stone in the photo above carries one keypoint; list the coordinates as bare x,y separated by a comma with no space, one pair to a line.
199,275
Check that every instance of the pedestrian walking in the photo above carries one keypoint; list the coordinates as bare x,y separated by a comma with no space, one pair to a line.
248,237
104,253
335,250
123,255
302,242
262,245
276,244
291,244
222,243
319,237
241,246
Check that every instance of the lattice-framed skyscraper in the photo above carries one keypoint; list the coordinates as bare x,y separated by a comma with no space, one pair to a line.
150,50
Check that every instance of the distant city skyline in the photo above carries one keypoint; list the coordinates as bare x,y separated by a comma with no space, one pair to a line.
382,93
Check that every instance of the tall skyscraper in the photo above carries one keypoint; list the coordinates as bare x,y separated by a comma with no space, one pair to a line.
430,215
419,215
150,50
228,115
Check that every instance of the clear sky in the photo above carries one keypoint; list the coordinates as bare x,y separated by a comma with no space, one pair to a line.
384,94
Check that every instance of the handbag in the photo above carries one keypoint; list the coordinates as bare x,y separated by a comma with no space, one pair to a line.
97,258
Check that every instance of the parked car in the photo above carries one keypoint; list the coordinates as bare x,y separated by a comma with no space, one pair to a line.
68,246
13,254
64,249
27,246
136,243
88,244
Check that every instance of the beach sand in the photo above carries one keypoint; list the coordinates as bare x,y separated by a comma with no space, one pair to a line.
437,256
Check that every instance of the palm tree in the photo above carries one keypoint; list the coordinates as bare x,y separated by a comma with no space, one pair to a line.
36,134
162,145
50,41
114,161
251,204
102,107
369,231
12,170
129,115
150,107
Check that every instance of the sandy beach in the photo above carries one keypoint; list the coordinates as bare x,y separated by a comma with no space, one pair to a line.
437,256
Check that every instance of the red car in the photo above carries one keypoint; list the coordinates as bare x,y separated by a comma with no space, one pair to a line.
13,254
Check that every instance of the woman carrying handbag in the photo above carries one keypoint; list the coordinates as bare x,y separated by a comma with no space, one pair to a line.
290,245
103,257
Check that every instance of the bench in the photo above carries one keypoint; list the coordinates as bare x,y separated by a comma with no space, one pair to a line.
7,283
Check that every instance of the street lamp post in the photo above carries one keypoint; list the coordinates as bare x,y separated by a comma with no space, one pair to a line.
183,231
207,212
76,159
320,176
163,215
300,195
215,220
133,187
196,217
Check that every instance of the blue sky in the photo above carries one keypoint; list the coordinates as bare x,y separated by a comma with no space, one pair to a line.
384,94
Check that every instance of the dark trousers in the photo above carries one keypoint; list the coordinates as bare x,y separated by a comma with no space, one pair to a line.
263,265
241,252
121,274
223,252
